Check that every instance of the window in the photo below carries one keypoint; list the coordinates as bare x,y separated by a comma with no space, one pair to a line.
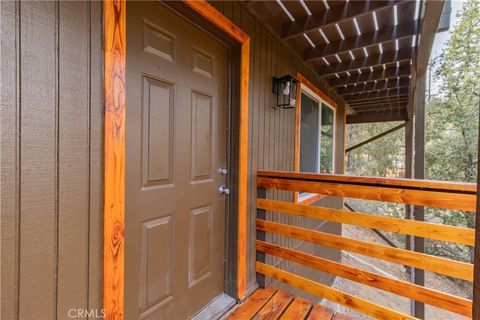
315,139
317,132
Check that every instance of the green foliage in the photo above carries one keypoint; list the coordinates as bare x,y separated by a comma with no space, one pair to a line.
452,116
451,142
384,157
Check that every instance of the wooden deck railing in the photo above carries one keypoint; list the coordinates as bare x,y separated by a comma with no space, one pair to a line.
447,195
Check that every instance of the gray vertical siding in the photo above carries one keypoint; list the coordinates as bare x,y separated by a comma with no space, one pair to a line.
272,131
52,158
52,152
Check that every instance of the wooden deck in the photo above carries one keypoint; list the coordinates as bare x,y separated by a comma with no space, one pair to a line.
272,303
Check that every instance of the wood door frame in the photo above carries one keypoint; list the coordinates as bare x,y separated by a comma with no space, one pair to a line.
114,153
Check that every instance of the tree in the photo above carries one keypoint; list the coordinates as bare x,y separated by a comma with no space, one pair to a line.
452,117
451,144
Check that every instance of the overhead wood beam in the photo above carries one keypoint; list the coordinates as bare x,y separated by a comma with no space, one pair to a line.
381,94
391,33
379,104
384,107
372,86
328,17
383,110
378,101
375,60
401,115
385,95
388,73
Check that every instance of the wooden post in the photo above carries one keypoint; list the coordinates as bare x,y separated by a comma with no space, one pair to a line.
408,208
261,214
476,256
419,173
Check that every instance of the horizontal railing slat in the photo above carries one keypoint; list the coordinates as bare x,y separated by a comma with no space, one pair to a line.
364,306
418,184
435,298
459,235
428,198
439,265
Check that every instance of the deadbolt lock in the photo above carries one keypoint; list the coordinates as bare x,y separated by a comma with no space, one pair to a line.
223,190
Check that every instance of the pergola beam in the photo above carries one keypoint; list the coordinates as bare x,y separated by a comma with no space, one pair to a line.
331,16
388,73
378,101
366,62
400,115
373,95
391,33
372,86
385,95
383,107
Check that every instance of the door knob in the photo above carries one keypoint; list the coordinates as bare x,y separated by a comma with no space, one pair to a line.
223,190
223,171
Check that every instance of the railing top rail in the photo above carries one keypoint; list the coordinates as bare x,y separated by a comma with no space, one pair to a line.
415,184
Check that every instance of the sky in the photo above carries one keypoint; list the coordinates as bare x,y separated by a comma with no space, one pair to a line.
440,42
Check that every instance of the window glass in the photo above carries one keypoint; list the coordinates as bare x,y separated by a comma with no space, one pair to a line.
309,134
326,139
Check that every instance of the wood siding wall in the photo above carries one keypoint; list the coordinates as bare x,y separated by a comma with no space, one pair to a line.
51,158
272,132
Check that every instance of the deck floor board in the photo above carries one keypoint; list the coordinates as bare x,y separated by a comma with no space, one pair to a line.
276,304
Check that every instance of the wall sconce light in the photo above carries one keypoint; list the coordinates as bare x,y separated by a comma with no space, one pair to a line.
286,90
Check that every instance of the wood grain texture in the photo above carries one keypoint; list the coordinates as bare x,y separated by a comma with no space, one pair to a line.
297,310
274,308
114,210
319,312
312,199
419,293
218,19
439,265
417,184
369,308
243,170
231,29
441,232
436,199
255,302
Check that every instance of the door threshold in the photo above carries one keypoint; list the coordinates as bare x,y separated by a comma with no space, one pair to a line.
216,308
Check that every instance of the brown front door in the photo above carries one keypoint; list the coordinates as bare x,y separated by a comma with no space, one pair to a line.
176,144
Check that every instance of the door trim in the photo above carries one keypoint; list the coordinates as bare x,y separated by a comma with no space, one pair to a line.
114,158
114,153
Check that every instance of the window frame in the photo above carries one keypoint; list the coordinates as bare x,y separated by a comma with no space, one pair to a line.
306,87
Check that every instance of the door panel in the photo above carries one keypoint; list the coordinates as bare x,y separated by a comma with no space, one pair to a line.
176,142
